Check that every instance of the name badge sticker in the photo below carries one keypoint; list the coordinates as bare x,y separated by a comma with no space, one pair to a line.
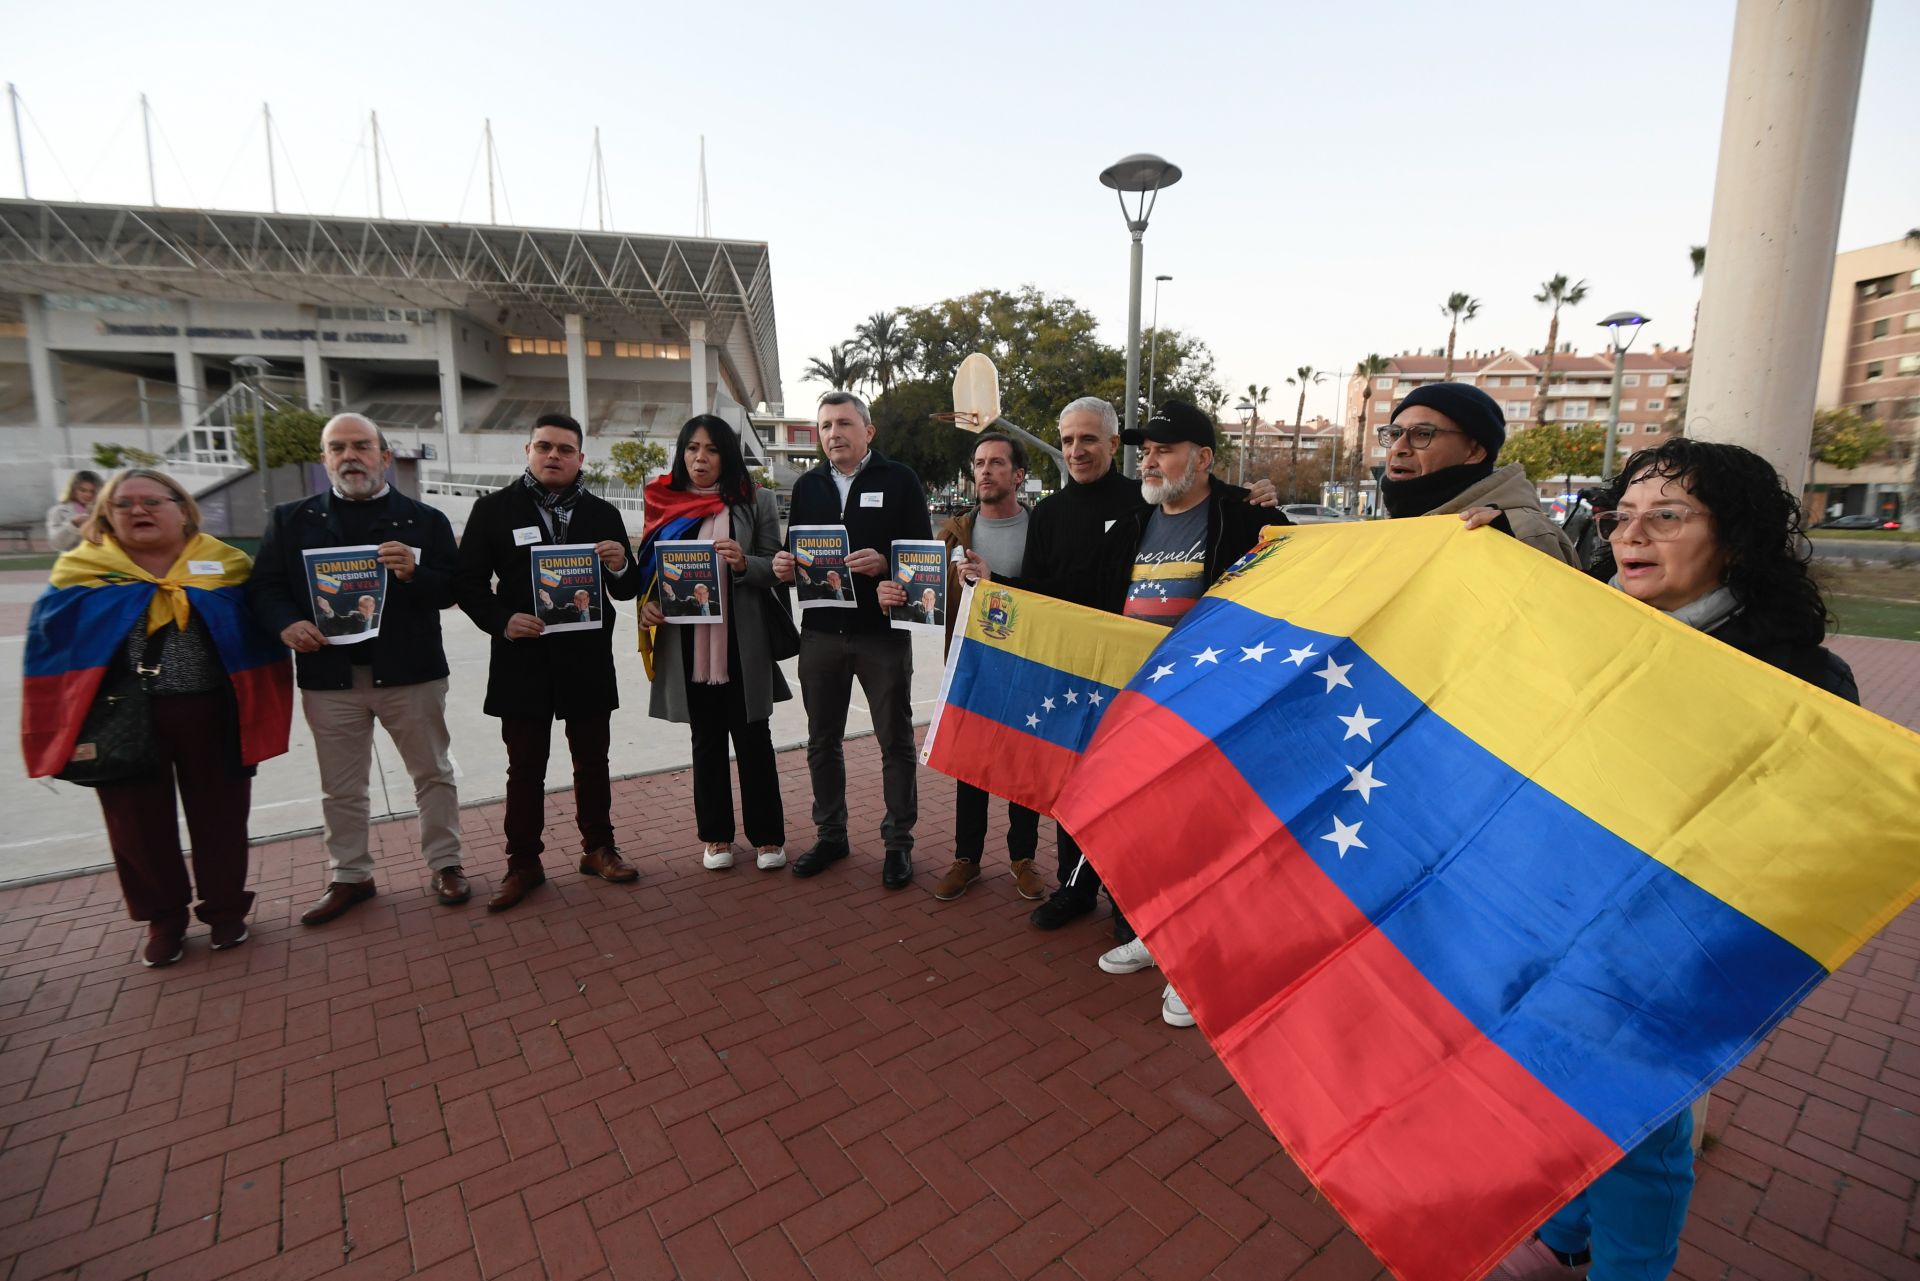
525,535
418,556
871,500
203,567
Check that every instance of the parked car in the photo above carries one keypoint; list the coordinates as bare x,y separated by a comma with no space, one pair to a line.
1858,522
1314,514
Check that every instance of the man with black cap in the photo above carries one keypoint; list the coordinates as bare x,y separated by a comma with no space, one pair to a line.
1441,446
1155,563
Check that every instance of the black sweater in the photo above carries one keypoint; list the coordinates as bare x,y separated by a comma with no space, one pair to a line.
885,502
1064,532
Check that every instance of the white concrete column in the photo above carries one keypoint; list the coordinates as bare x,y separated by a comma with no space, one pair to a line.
315,373
186,368
448,357
697,362
577,368
1785,138
43,373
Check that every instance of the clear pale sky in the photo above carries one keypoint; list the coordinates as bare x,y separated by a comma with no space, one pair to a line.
1347,166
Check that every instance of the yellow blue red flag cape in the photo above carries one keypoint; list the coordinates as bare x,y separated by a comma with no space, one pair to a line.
1473,870
96,596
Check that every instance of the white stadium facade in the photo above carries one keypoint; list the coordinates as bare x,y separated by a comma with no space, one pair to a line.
121,325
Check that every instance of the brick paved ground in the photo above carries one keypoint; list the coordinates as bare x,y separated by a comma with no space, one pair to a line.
714,1076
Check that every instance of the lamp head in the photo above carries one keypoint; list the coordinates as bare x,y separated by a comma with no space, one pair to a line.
1622,327
1140,172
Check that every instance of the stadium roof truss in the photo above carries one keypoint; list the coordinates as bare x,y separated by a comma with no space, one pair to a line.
638,286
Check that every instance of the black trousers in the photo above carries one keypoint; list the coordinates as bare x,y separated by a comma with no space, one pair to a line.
528,745
970,826
717,715
1078,876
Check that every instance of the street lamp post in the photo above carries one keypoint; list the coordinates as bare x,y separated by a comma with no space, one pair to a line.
250,368
1142,175
1622,328
1153,348
1247,416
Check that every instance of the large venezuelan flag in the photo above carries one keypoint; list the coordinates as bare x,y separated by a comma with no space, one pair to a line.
1474,871
95,598
1027,681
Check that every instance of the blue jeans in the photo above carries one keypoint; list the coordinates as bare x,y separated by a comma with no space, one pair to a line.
1630,1216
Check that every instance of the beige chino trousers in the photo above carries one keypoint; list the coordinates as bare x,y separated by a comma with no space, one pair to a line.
415,717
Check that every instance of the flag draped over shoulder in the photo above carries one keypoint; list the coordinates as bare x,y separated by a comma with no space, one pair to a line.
94,599
670,514
1027,681
1474,870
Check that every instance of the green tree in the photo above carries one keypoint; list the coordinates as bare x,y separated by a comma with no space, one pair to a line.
843,369
293,436
632,461
595,474
882,341
1461,308
1366,371
114,456
1546,450
1303,377
1843,439
1555,293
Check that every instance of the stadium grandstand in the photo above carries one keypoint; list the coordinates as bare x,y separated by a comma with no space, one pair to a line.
132,326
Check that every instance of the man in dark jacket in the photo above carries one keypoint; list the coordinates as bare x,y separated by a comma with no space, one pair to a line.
398,678
534,679
878,501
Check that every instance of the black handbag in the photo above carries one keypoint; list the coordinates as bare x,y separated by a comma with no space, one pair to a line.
116,737
783,638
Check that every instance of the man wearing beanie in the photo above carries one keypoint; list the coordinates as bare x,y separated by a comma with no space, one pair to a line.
1441,448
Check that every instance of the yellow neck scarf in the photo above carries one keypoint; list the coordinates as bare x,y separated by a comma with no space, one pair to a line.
204,562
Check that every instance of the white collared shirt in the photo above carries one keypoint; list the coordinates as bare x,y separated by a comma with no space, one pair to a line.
844,481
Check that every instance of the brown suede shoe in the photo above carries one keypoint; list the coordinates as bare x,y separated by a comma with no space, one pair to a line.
954,882
607,864
514,886
449,885
340,896
1027,879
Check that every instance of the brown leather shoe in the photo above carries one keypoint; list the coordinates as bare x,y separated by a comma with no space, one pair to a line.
514,886
1027,879
607,864
340,896
953,884
449,885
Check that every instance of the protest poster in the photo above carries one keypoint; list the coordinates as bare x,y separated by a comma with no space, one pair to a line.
820,577
690,581
348,588
920,566
567,596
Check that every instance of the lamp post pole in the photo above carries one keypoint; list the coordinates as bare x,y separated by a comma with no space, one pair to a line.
1153,347
1619,323
250,368
1247,414
1142,175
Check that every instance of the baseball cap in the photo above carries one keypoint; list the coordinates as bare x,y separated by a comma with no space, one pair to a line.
1172,422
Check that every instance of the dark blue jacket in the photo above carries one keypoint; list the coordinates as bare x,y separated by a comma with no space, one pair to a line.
901,513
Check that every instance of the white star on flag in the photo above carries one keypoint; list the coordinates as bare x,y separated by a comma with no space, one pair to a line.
1335,674
1046,704
1299,657
1345,836
1094,697
1165,669
1207,655
1033,722
1363,782
1255,653
1358,724
1073,696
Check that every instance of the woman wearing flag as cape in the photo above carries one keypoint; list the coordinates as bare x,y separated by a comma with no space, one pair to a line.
149,611
1706,534
720,679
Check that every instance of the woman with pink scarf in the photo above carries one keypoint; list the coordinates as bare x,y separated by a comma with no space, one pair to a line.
721,679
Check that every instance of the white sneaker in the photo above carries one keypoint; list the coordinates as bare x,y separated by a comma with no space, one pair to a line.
717,860
1128,958
770,859
1173,1010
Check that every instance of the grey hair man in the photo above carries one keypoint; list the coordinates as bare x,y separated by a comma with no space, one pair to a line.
398,678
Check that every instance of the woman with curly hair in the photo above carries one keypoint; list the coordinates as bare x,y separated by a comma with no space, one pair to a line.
1708,535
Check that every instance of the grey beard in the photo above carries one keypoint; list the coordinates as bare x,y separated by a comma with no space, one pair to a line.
1171,489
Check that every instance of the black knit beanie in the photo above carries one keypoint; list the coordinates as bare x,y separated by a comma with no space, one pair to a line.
1470,409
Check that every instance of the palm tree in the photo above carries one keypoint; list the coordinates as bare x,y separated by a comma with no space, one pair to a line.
883,342
1555,293
1462,309
1697,255
1303,377
843,369
1256,397
1366,371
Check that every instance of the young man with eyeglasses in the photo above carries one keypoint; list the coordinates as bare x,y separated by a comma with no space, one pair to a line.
1441,447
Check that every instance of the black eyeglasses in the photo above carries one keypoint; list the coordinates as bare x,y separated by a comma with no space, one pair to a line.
1419,436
